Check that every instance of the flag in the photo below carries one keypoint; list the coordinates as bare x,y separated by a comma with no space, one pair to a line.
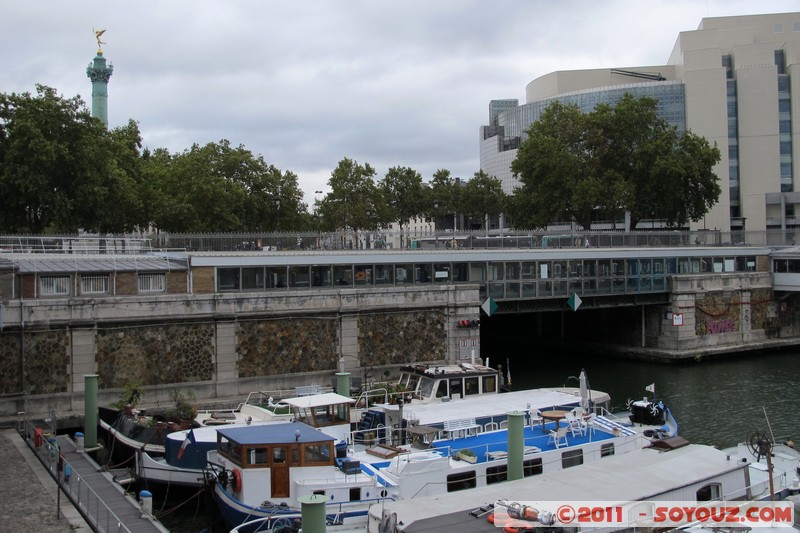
651,388
188,440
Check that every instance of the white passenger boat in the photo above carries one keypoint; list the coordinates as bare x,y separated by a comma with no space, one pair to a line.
261,472
669,470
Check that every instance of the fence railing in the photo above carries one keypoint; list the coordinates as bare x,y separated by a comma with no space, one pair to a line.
383,240
90,504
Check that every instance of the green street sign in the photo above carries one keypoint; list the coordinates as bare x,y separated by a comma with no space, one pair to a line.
574,301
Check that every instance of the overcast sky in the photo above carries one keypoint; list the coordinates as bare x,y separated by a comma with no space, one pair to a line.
308,83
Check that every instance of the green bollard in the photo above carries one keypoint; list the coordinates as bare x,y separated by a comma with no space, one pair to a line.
313,513
90,407
516,444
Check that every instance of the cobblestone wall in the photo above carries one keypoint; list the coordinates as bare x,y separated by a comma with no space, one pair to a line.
47,363
386,339
285,346
155,355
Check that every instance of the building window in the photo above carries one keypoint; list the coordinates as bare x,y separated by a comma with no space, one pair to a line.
94,284
152,282
54,285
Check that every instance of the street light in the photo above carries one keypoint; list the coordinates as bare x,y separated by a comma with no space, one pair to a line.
435,229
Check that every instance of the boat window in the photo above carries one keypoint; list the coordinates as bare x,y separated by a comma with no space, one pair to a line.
257,456
455,387
412,383
709,492
571,458
316,454
355,494
489,384
278,455
461,481
532,467
441,390
471,386
607,449
496,474
229,449
425,387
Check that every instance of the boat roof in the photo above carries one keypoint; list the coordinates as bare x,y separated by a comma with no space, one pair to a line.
287,432
484,405
318,400
438,371
637,475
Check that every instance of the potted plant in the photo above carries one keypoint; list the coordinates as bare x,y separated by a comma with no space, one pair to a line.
467,455
129,398
184,410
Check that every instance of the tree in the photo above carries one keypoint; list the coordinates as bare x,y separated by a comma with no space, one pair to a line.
54,164
218,187
445,195
622,158
404,195
354,202
483,197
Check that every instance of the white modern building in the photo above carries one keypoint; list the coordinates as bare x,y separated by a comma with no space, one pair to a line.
733,81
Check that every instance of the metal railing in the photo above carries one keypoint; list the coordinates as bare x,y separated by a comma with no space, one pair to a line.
89,503
382,240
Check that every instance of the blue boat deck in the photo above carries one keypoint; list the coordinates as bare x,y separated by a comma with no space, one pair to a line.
537,438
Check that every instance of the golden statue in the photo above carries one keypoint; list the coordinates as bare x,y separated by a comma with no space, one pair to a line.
97,35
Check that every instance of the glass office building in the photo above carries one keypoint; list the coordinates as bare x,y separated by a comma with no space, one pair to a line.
729,81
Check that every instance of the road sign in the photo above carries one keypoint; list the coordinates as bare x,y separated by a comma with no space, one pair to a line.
574,301
677,319
489,307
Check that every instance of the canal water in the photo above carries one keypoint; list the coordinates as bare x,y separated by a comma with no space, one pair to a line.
720,402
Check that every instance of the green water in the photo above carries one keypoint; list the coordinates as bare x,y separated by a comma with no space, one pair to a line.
717,402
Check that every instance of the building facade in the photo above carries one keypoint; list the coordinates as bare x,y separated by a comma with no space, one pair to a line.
729,81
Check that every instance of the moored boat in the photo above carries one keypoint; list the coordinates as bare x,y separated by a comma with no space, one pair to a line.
261,472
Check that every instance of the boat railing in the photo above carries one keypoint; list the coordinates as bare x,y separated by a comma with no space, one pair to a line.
366,398
96,512
274,523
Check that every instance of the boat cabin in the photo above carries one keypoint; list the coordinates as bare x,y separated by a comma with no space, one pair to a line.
430,382
277,447
328,410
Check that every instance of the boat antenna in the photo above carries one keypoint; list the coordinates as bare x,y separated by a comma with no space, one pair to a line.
769,426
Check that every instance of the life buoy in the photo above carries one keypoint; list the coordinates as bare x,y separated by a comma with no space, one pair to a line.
237,480
497,520
517,526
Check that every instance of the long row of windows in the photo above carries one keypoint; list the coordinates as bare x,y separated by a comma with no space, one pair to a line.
504,279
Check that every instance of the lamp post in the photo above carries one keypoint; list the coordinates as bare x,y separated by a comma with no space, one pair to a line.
435,229
316,219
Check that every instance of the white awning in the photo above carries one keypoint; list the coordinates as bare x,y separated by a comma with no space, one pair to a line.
318,400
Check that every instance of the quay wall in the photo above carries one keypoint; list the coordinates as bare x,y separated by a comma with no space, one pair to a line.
218,347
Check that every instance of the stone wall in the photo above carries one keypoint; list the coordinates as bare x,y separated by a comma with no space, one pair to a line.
154,355
285,346
390,339
47,362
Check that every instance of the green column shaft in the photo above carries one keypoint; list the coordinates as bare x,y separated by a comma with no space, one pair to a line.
313,513
516,442
90,406
343,383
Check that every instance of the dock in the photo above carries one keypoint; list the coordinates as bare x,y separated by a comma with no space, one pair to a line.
100,500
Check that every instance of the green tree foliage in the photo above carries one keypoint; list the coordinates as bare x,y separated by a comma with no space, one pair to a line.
55,165
483,196
404,194
576,166
444,194
354,202
218,187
